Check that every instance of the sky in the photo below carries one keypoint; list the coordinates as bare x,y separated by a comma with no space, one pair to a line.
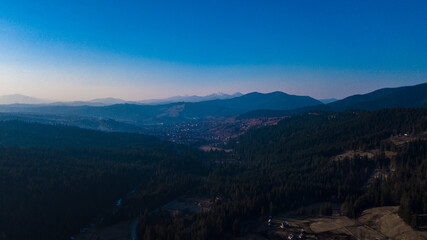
134,50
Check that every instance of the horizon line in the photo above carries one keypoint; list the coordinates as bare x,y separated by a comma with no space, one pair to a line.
51,101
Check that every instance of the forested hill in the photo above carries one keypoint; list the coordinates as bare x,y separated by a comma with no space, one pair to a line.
24,134
248,102
57,180
409,96
296,163
330,131
303,148
400,97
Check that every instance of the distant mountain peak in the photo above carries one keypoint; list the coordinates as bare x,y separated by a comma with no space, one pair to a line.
108,100
21,99
328,100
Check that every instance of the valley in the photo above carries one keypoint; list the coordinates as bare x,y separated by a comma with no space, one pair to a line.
335,174
213,120
210,132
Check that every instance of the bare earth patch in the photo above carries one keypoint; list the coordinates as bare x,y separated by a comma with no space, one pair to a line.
386,221
375,223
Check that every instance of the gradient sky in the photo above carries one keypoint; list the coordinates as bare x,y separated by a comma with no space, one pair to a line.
79,50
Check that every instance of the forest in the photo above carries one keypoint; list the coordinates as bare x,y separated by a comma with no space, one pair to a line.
57,180
291,165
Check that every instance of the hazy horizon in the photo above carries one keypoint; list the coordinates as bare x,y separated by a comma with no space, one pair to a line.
46,100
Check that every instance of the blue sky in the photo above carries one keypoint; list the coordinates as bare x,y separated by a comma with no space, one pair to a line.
68,50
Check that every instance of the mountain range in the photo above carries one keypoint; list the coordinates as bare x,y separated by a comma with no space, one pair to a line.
247,106
22,99
400,97
178,111
193,98
18,98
